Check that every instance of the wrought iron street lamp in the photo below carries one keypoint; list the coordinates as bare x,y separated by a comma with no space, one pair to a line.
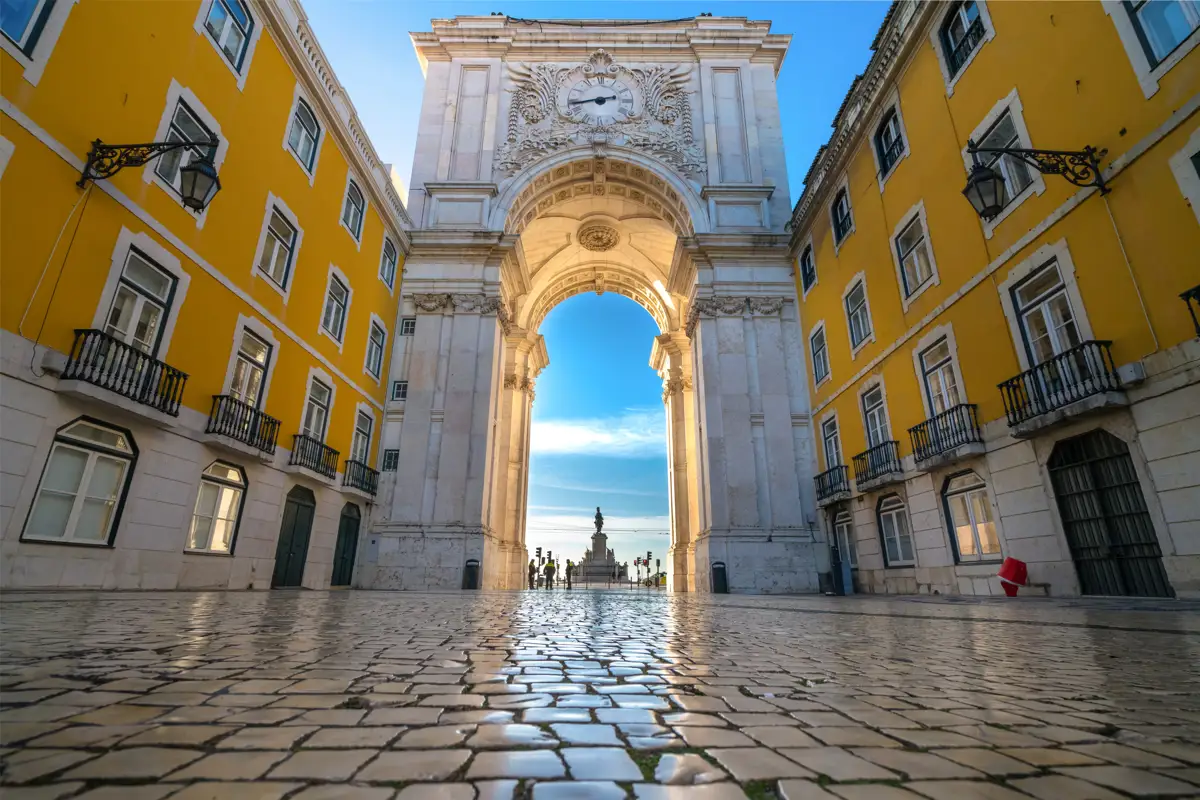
198,181
985,186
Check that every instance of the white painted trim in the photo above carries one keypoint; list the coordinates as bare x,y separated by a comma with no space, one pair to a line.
7,149
936,40
318,374
812,359
175,93
858,276
927,341
255,32
917,212
1043,256
843,185
864,387
387,237
1181,167
350,176
298,95
824,418
334,271
1011,104
34,64
383,358
363,408
162,258
264,332
275,202
1148,77
892,102
808,245
76,163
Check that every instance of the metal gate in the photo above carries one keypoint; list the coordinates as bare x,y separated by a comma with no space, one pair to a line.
1104,515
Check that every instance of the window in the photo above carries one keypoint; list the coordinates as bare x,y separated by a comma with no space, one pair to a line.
387,263
1047,321
820,355
961,33
22,21
842,221
391,460
218,508
844,533
316,411
889,142
875,417
230,24
354,209
304,135
1163,25
375,342
83,486
1196,163
941,384
336,301
916,266
250,369
408,326
857,316
832,443
360,444
1016,174
808,269
970,516
142,300
893,528
185,126
399,390
276,259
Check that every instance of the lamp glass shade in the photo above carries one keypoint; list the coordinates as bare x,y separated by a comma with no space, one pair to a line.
985,191
198,184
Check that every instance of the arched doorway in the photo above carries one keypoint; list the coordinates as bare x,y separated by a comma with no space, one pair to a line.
346,546
1108,530
291,552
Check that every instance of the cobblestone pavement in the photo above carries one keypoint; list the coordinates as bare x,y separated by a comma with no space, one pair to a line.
594,694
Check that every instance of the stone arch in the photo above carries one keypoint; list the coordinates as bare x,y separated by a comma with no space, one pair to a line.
599,277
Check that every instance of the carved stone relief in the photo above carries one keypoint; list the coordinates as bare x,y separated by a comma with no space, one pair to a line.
731,307
598,237
431,302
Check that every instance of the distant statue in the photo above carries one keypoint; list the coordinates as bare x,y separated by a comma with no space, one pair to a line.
599,520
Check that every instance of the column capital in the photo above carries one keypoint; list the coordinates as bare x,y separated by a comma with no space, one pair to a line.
733,306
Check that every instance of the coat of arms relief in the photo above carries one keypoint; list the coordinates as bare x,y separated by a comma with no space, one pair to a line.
648,108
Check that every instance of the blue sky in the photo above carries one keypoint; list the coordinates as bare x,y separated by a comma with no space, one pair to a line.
599,428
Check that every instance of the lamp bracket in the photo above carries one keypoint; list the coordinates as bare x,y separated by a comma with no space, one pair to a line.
1080,167
106,160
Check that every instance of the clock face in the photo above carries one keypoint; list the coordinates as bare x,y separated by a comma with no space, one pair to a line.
599,100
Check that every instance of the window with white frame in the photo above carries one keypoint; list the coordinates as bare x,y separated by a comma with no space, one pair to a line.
250,369
337,299
83,485
376,339
354,209
970,517
857,317
843,531
230,25
360,444
832,443
279,249
937,373
1016,173
820,355
889,142
408,326
1163,25
22,20
808,269
316,411
840,212
387,263
185,126
399,390
875,416
893,529
1044,309
961,34
304,134
916,263
218,509
140,304
391,460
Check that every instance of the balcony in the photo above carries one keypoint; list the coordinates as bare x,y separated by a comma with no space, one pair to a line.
313,458
833,485
1072,383
957,57
358,476
947,437
241,427
878,466
100,367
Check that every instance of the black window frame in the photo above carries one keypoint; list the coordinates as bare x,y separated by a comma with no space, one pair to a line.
133,287
903,511
312,159
352,186
36,26
808,269
374,328
290,248
399,390
842,226
408,326
889,154
237,522
390,279
812,350
340,335
1132,8
949,49
248,31
194,152
1195,159
951,534
390,460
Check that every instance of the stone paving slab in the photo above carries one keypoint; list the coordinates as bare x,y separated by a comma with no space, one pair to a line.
590,695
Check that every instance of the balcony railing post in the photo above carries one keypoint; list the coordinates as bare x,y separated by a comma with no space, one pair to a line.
1085,370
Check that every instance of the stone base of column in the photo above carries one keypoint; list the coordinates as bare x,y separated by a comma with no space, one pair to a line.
423,558
677,574
785,565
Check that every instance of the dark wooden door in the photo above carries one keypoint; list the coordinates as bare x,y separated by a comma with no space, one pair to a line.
346,547
292,550
1104,517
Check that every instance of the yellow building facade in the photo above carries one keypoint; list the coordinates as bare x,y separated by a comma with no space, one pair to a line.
1022,385
190,398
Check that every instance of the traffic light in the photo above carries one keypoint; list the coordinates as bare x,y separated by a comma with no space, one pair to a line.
539,552
549,556
648,554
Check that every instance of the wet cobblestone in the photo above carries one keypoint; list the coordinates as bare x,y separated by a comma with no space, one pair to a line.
594,694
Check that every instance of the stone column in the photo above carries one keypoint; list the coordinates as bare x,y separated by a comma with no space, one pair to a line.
669,357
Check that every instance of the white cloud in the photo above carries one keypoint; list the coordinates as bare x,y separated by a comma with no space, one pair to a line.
567,486
572,525
634,434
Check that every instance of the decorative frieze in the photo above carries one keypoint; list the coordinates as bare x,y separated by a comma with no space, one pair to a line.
430,303
731,307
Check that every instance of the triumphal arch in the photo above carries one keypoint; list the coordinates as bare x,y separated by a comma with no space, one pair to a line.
643,158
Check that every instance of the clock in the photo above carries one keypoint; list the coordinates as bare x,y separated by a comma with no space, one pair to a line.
600,101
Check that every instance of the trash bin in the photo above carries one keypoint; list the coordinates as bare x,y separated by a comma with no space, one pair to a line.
720,583
471,574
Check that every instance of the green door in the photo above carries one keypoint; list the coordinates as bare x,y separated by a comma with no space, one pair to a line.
347,546
292,550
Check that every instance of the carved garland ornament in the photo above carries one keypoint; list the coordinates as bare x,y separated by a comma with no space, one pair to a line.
731,307
465,303
599,237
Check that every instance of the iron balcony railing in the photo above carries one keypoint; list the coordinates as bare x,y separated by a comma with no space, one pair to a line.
841,226
952,428
243,422
832,482
109,363
1192,296
1085,370
880,460
889,155
307,452
971,39
358,475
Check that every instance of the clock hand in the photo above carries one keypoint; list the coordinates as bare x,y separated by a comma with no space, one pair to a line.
600,100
